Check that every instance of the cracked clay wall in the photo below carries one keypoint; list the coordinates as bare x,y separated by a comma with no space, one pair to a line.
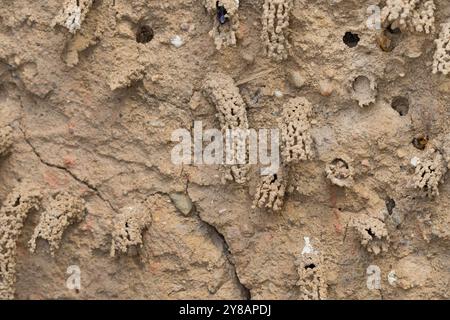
89,99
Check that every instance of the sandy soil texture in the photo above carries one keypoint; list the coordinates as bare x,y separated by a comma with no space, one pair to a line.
92,205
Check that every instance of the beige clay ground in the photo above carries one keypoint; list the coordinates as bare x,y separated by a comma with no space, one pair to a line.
88,106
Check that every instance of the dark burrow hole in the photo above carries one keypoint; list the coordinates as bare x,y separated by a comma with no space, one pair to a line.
369,231
389,38
390,205
274,178
144,34
221,13
420,142
401,105
310,266
351,39
393,30
338,160
17,202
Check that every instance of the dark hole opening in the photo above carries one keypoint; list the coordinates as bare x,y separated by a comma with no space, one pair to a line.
144,34
420,142
17,202
369,231
339,161
389,38
393,30
221,13
310,266
390,205
401,105
351,39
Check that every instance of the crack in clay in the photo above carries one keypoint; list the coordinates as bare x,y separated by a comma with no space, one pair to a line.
51,165
246,293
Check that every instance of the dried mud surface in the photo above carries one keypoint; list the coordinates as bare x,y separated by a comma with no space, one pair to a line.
86,117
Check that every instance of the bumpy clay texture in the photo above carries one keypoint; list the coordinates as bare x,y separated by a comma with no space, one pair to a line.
297,143
270,192
364,89
372,232
73,14
415,15
340,172
129,225
127,77
221,92
13,212
226,21
64,209
275,21
430,172
5,140
441,62
312,282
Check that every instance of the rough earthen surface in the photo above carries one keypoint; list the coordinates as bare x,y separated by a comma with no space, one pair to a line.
441,62
270,192
221,92
297,143
13,213
92,104
275,22
5,140
416,15
63,210
129,226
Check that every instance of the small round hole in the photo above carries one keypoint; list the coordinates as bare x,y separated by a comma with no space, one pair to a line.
144,34
420,142
351,39
361,84
401,105
389,38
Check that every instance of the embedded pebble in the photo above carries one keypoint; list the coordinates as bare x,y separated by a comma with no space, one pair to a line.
296,79
182,202
177,41
278,94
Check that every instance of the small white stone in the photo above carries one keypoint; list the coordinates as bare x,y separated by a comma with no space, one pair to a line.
392,278
308,247
73,22
415,161
278,94
177,41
